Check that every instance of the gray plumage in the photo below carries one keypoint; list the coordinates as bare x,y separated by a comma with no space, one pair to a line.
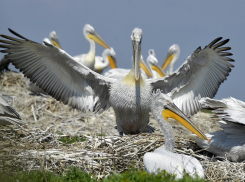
58,74
8,115
4,64
230,141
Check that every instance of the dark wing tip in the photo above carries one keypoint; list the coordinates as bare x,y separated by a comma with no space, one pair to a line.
18,35
229,59
214,41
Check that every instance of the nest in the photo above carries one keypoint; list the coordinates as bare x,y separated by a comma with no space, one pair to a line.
98,150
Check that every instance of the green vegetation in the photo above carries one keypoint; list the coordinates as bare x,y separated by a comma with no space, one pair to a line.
71,139
77,175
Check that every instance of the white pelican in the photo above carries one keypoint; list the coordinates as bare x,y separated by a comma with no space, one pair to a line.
91,36
58,74
108,58
100,63
230,141
152,62
171,58
8,116
164,158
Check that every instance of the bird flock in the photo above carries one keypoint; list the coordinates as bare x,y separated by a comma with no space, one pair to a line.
79,81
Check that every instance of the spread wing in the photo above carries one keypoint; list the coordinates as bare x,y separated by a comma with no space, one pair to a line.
230,109
58,74
199,76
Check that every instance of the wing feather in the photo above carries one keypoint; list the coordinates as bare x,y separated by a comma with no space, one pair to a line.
58,74
230,109
199,76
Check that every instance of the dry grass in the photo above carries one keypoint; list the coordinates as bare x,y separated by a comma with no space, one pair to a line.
39,146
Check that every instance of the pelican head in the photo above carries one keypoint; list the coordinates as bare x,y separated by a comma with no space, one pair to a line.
111,55
170,110
90,34
100,64
172,56
153,63
152,52
136,40
53,37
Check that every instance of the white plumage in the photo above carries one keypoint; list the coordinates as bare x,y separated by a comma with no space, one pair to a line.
230,141
164,158
58,74
152,62
108,58
171,58
91,36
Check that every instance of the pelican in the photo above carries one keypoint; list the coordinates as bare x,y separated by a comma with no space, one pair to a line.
228,142
91,36
53,39
108,58
119,73
153,65
62,77
164,158
8,115
100,63
171,58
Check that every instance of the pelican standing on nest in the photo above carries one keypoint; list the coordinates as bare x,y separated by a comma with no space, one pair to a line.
230,141
76,85
171,58
164,158
8,115
92,37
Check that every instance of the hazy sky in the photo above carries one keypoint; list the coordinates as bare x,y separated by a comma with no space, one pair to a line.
187,23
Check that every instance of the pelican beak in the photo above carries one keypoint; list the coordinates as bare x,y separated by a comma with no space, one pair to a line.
158,69
137,57
112,61
145,68
95,37
167,60
172,111
56,43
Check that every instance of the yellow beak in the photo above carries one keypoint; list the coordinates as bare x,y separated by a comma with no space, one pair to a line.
168,60
145,68
56,44
112,61
172,111
158,69
95,37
